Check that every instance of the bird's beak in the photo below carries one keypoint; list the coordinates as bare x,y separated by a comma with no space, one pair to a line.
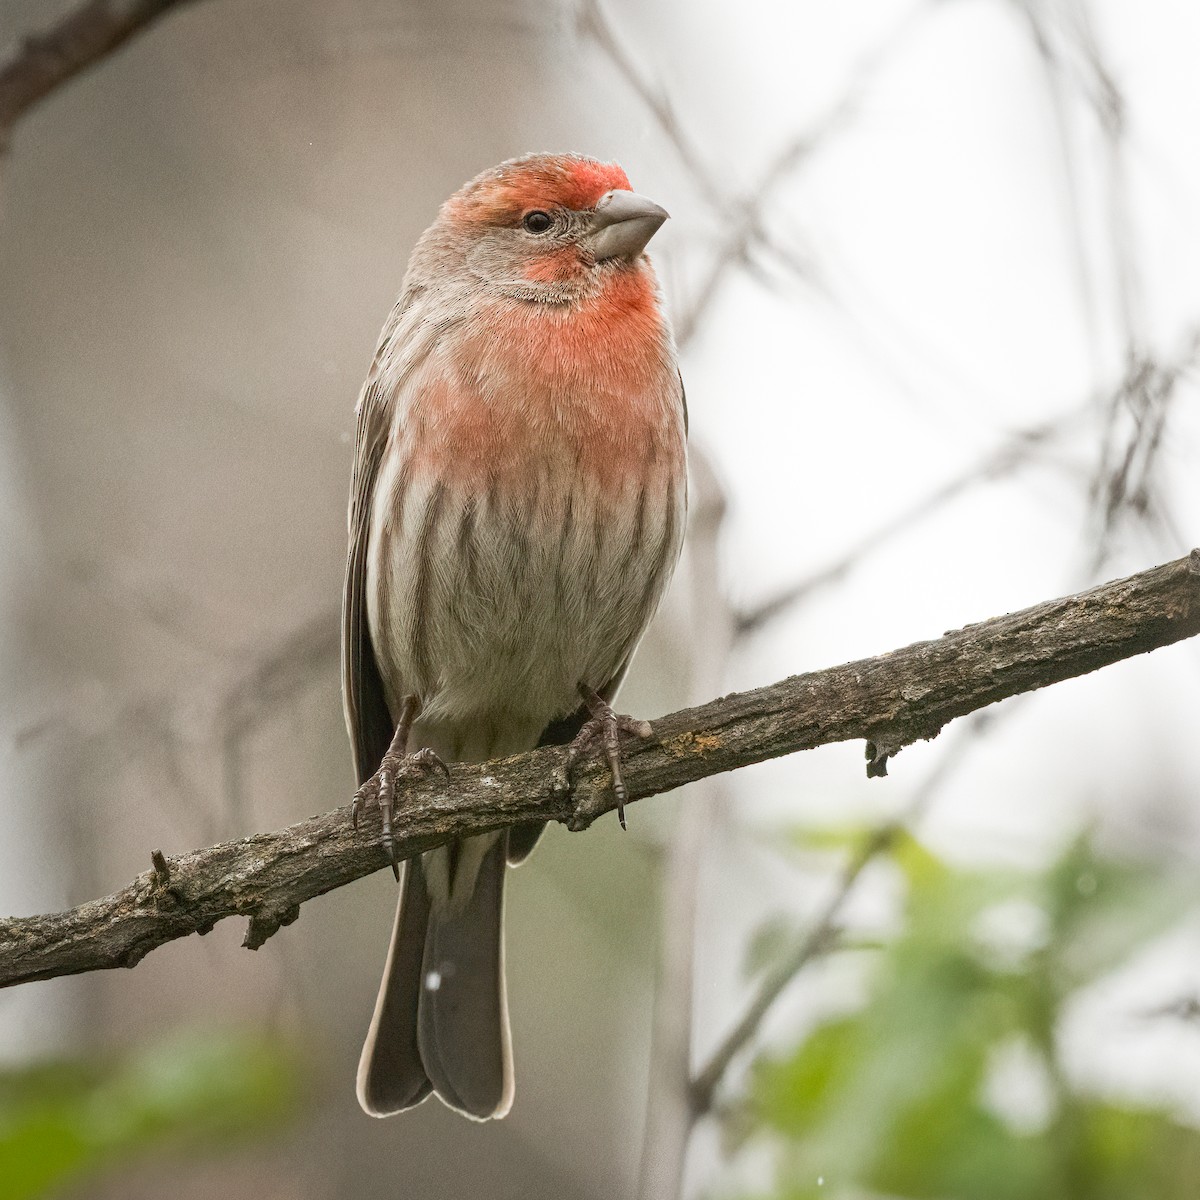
622,225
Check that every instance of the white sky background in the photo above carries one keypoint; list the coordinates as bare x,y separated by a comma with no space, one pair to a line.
941,223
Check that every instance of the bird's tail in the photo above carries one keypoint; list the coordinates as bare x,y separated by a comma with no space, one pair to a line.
441,1018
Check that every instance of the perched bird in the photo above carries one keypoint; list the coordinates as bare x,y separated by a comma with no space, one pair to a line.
517,507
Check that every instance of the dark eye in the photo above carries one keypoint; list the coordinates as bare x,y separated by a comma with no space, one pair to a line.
537,221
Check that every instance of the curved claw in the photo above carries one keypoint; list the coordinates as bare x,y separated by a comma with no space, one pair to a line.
382,788
425,757
602,732
386,840
362,798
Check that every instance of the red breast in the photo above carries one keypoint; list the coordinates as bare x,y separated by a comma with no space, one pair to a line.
589,386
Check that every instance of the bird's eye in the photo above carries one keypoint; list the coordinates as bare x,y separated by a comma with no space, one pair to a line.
537,221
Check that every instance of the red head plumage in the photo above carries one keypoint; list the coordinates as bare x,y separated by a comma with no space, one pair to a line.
500,195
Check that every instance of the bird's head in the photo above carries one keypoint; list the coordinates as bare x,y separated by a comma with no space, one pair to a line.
549,227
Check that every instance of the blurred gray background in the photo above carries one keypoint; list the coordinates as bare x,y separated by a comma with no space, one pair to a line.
918,255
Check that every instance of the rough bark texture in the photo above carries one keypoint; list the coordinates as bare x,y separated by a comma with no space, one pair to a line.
43,62
889,701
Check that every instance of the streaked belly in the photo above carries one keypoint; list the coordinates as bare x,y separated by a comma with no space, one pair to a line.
492,604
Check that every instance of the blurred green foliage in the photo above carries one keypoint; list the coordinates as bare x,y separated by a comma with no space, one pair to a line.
66,1121
892,1099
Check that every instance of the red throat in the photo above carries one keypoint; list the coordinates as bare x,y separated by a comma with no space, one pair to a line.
595,388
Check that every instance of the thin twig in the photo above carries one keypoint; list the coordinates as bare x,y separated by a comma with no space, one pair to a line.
819,939
1052,72
825,932
46,61
1013,452
594,22
744,210
669,1118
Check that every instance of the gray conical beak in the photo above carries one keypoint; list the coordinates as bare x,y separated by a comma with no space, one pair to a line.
622,225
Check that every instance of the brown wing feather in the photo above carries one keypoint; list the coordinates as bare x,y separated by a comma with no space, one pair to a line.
404,343
367,717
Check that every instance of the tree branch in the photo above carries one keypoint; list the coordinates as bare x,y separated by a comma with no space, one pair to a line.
1013,451
889,701
667,1128
825,932
44,62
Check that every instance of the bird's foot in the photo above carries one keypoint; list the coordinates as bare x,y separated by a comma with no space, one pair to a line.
383,790
601,735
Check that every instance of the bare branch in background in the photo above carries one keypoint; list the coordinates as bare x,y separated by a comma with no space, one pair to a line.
1112,114
593,22
750,229
282,671
1053,72
1125,479
1153,383
45,61
746,232
221,708
889,701
1014,452
746,211
826,932
820,938
669,1119
1183,1008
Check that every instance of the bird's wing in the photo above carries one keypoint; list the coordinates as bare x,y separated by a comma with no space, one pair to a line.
367,716
404,343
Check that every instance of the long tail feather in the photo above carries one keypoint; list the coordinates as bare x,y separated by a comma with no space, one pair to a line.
391,1076
463,1031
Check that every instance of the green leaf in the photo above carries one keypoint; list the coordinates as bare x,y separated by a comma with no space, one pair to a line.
66,1120
789,1094
922,869
1103,911
829,837
888,1100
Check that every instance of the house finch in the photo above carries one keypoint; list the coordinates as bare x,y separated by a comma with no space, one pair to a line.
516,511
